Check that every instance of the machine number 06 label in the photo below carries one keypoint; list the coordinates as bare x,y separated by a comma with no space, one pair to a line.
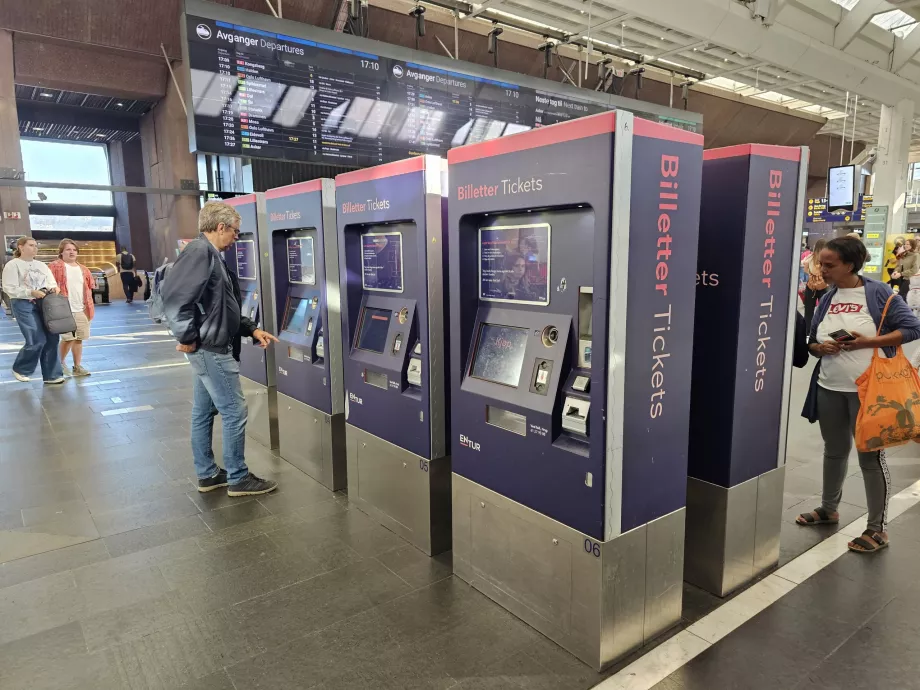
593,547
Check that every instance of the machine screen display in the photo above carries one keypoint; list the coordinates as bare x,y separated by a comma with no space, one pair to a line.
381,261
372,334
301,265
250,306
246,259
296,315
514,263
500,354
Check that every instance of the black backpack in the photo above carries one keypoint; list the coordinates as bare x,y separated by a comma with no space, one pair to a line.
127,262
57,314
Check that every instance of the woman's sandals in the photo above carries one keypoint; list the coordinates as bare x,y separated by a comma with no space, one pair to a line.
875,542
809,519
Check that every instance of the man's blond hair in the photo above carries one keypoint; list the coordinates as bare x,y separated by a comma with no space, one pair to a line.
214,213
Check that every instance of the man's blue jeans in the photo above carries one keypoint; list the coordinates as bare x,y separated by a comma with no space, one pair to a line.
41,346
218,389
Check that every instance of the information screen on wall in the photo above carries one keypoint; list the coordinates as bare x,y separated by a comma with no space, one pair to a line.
514,263
841,187
381,261
301,262
245,259
269,95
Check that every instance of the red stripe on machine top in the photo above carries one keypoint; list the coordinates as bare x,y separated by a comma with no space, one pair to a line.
379,172
785,153
291,189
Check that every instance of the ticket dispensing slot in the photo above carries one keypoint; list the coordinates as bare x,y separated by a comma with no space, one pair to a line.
575,415
585,335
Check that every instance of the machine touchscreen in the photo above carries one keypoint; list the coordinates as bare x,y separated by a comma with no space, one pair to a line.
301,263
500,354
295,315
246,259
250,306
372,335
381,261
514,263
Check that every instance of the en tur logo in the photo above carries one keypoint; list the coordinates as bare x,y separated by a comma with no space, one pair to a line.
397,71
203,31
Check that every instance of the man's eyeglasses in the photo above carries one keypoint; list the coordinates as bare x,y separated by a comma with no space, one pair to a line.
235,230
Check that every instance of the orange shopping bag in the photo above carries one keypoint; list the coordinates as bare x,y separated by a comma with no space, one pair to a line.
889,400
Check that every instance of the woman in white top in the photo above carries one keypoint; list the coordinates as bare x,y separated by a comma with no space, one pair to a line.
26,281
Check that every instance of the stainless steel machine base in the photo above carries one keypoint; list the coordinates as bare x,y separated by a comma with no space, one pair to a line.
598,600
402,491
312,441
733,534
263,412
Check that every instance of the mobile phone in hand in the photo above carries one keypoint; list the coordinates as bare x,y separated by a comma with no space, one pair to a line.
842,336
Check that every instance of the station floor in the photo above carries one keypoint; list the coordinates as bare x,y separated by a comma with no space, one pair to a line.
116,573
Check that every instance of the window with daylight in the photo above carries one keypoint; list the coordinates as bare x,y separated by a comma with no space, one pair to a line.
66,161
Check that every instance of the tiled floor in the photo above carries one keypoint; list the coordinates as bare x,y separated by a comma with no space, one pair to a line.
116,573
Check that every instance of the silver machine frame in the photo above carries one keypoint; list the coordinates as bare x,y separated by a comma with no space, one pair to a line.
409,494
308,438
736,531
263,400
600,600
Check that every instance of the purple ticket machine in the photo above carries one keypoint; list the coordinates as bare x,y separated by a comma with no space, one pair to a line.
392,261
308,360
746,296
573,255
247,259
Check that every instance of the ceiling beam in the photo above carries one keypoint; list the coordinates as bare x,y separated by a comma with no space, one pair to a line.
904,50
856,20
479,8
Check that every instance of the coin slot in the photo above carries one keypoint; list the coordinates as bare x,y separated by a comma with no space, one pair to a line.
550,336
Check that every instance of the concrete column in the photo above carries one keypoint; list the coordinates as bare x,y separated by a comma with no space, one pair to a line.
132,226
167,162
891,184
11,198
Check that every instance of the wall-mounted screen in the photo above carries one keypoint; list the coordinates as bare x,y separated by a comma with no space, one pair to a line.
295,316
301,263
499,354
372,333
841,187
245,259
382,261
514,263
262,94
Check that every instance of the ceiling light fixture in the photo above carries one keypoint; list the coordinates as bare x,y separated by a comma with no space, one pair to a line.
46,95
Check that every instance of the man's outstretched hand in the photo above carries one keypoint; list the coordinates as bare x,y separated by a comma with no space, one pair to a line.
263,338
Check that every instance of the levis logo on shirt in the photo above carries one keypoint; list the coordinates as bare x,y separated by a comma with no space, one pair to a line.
845,308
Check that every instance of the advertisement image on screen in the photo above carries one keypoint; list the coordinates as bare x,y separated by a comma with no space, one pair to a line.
301,262
246,259
372,334
296,315
841,187
381,261
514,263
500,354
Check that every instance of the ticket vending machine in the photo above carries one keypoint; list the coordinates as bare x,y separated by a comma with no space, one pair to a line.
392,260
573,259
308,359
248,258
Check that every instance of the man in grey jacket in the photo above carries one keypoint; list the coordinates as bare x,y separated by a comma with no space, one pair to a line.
201,304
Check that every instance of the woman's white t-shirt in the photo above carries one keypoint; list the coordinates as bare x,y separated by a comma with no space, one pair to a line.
847,311
21,277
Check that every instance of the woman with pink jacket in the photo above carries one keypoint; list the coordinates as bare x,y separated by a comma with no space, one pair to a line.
76,283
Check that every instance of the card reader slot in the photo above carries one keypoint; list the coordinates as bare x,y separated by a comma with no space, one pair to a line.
507,420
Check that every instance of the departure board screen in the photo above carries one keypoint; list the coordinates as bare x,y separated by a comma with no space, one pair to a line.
261,94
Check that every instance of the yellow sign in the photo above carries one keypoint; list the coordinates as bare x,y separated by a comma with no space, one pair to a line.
872,235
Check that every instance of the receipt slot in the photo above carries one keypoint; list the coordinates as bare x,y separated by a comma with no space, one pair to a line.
746,297
392,261
248,258
308,359
573,253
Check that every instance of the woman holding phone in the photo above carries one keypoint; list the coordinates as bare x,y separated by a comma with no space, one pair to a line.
843,336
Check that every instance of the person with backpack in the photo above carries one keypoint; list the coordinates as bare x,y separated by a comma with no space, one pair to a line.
27,281
76,284
202,308
126,263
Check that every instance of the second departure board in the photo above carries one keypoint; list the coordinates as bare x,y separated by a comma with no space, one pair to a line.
268,95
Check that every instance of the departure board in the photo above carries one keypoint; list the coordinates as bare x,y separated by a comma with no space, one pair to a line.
261,94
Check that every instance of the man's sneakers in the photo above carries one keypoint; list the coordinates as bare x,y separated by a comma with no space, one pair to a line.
66,370
19,377
215,482
251,486
55,382
80,371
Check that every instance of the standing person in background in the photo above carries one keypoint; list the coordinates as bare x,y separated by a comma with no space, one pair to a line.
27,280
126,263
815,287
891,263
76,283
908,267
854,305
201,304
